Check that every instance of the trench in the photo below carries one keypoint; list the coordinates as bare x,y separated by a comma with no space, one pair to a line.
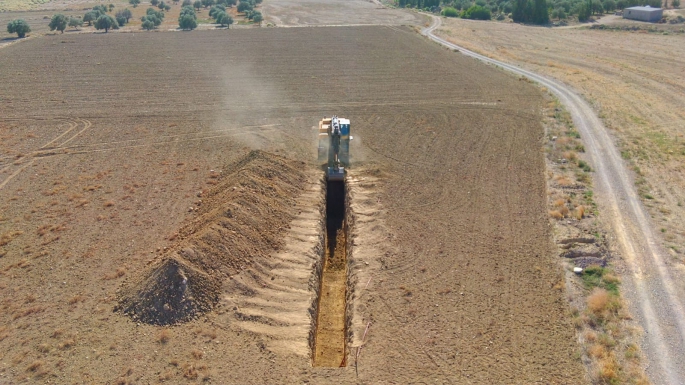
331,326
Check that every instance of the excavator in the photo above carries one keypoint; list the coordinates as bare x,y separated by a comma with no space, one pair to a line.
334,141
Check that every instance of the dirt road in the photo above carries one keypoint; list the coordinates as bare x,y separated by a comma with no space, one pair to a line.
651,289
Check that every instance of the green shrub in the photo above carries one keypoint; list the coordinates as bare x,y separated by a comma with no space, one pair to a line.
597,276
476,12
449,12
75,22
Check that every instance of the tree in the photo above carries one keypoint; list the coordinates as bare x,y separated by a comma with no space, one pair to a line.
223,19
187,19
121,21
197,4
58,22
105,22
449,12
476,12
75,22
609,5
675,3
111,7
148,24
19,26
125,13
257,17
154,2
188,11
152,19
186,3
134,3
187,22
215,10
161,5
583,12
155,17
530,11
207,3
101,9
245,6
89,17
541,12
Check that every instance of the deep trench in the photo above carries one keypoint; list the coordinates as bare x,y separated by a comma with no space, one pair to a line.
330,335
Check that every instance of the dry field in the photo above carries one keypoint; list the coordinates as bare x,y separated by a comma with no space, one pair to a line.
635,81
119,166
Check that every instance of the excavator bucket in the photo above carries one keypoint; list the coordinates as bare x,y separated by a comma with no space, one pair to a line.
335,174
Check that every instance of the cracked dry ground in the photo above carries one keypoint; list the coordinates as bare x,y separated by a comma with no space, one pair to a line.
108,139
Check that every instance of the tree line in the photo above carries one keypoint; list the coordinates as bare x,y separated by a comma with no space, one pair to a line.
99,18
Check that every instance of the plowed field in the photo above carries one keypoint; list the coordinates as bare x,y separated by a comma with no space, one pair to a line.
110,142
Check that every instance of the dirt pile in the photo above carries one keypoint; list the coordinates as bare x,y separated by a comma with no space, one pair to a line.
174,291
241,219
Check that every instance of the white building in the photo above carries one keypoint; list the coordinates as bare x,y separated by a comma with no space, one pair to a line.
643,13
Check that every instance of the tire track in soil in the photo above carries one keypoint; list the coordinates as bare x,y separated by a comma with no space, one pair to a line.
652,293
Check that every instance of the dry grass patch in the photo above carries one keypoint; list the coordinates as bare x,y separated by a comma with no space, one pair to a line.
120,272
35,365
9,236
164,336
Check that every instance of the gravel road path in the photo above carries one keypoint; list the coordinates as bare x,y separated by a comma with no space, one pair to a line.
651,280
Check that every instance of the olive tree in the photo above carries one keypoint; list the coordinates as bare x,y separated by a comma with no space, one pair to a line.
187,19
245,6
75,22
125,13
134,3
58,22
19,26
224,19
105,22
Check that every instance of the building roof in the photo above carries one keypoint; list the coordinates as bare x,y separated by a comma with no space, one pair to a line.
646,8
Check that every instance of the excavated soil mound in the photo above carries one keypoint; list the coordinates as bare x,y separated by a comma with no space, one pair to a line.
173,292
241,220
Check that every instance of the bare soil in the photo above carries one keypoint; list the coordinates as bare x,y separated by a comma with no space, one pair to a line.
107,148
289,13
